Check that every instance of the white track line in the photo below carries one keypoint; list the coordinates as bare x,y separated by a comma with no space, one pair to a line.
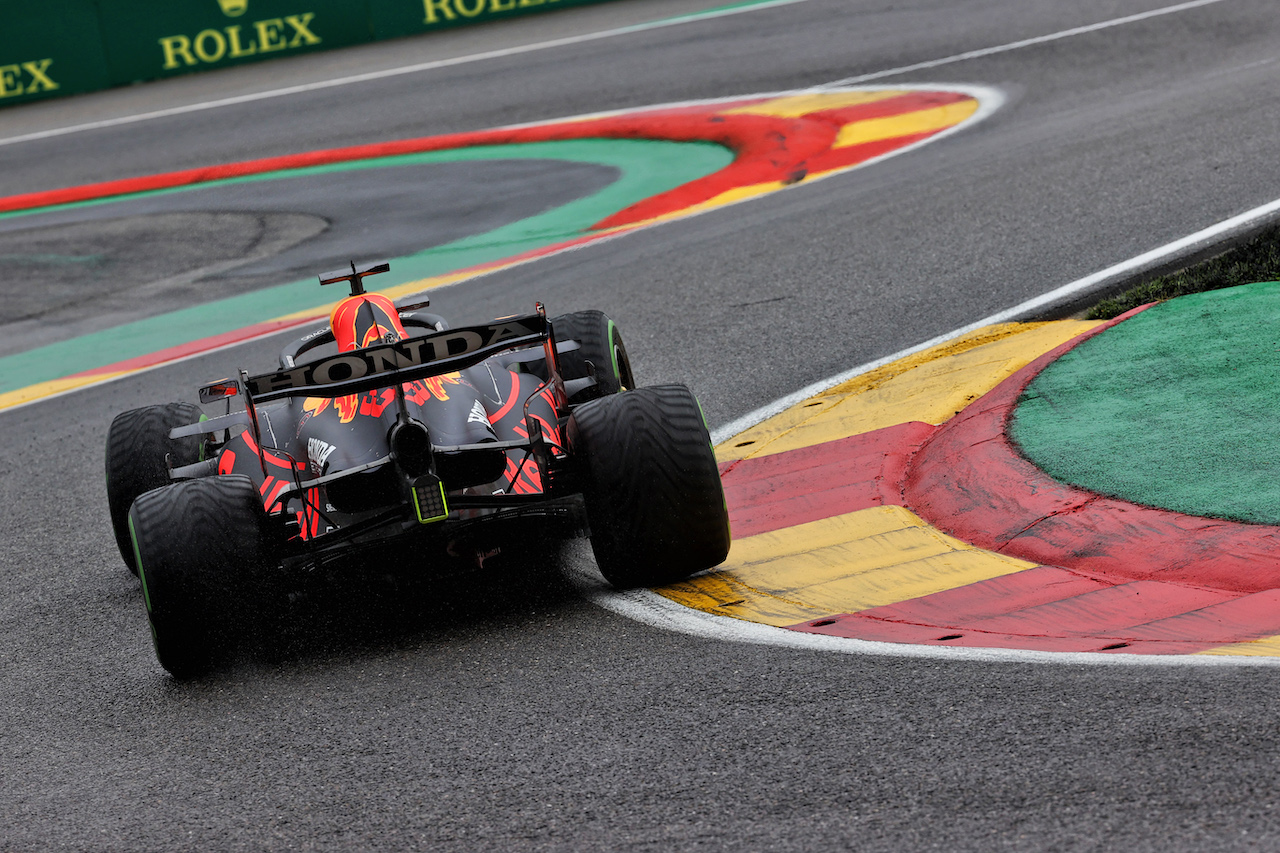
396,72
649,608
652,609
1199,239
1018,45
989,100
588,37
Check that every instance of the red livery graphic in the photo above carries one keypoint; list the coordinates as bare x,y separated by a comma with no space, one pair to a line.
413,444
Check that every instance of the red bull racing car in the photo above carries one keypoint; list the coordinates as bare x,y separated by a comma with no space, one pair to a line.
408,439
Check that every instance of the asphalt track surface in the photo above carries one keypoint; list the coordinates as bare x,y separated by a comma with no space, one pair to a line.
516,714
145,256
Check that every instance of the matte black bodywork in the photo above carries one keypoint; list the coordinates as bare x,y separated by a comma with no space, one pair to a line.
422,438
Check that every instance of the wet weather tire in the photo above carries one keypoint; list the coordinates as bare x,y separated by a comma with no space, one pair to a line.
137,444
201,550
600,343
651,486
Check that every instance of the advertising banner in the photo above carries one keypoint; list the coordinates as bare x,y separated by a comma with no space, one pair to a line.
146,39
395,18
50,48
60,47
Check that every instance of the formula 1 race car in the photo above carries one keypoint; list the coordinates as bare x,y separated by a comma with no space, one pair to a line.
418,449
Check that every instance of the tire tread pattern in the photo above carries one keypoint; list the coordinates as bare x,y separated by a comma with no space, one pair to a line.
200,544
137,443
652,486
597,336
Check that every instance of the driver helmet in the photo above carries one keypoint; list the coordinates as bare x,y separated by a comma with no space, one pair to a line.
365,320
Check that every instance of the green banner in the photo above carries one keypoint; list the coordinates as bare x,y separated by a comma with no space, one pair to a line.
395,18
59,47
50,48
146,39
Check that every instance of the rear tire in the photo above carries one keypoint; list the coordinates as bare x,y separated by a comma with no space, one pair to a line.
137,444
651,486
200,547
600,343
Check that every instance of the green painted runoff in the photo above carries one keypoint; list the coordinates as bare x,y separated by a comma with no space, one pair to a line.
646,168
1176,407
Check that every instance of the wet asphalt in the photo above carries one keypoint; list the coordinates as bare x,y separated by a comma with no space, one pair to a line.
505,711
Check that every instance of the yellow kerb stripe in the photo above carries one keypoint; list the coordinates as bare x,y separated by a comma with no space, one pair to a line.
907,124
57,386
1265,647
727,197
930,386
794,106
844,564
53,386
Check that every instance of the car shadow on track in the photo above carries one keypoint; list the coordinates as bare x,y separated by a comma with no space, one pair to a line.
369,607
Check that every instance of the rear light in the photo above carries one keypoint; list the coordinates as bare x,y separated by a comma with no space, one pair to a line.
428,499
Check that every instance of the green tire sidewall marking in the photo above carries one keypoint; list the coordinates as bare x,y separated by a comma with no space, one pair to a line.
646,168
1174,408
703,415
142,575
613,349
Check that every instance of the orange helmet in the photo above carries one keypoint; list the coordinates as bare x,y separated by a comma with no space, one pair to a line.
364,320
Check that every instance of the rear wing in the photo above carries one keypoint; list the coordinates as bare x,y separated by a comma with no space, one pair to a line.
403,361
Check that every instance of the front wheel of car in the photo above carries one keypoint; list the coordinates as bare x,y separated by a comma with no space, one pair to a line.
651,486
200,550
600,344
137,446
